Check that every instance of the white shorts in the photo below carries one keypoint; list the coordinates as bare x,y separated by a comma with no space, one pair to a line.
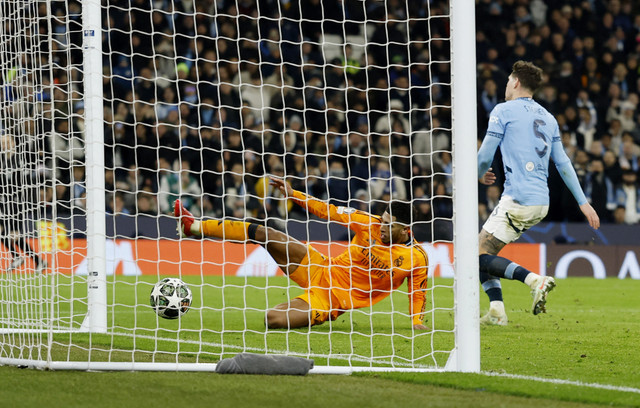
509,220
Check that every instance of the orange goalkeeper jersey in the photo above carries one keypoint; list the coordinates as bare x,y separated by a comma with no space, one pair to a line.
368,271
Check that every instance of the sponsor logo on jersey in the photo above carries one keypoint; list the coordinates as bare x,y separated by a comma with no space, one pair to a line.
346,210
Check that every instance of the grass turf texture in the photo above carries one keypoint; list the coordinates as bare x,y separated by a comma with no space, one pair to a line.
589,335
227,316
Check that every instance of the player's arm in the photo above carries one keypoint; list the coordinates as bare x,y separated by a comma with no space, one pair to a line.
417,285
485,156
492,139
568,174
356,220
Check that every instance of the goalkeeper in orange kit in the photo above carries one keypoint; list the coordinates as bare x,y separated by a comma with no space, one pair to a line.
380,257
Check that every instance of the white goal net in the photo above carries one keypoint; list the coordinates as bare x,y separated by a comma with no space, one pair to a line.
112,110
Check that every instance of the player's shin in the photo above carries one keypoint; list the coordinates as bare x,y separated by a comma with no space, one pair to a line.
491,286
229,230
493,289
502,268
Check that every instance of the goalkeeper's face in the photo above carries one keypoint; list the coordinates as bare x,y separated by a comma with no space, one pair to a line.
392,231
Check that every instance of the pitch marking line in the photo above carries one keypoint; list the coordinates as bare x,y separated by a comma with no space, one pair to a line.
360,359
563,382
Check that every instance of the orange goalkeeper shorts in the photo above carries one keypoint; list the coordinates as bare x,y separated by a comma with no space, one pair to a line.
313,275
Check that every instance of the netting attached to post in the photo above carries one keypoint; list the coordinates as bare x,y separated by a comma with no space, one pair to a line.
348,101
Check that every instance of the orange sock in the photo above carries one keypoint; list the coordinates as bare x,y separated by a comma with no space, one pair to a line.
226,229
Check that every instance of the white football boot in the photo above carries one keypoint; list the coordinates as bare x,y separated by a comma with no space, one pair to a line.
496,315
540,288
187,224
491,319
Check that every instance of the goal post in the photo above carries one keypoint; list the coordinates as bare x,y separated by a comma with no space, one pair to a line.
116,109
94,166
467,298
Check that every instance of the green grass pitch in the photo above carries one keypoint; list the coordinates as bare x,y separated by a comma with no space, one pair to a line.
583,351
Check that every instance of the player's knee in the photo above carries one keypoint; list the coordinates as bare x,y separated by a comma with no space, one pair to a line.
262,234
274,235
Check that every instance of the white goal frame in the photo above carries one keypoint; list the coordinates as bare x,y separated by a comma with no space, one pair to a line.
465,356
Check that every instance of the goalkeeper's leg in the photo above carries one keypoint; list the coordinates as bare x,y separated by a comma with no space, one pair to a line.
285,250
290,315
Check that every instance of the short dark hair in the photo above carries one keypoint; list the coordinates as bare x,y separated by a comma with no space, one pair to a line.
404,211
529,74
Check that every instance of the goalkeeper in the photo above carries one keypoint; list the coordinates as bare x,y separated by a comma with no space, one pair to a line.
380,257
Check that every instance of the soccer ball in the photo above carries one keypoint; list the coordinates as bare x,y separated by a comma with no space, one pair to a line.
171,298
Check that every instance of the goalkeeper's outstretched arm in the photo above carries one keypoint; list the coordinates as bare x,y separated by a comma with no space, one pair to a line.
354,219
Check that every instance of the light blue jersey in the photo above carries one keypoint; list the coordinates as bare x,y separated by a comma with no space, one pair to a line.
528,136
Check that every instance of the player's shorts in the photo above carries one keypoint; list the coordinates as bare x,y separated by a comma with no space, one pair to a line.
509,220
313,275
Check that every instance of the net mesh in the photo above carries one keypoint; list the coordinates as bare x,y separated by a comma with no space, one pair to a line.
348,101
24,119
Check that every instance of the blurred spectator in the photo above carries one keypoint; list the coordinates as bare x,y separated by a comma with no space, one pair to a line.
168,185
361,201
596,150
120,205
145,204
629,155
612,168
600,190
488,98
442,205
627,195
238,192
422,229
581,164
177,183
493,197
619,215
338,184
396,115
78,186
384,183
69,149
272,201
445,168
627,116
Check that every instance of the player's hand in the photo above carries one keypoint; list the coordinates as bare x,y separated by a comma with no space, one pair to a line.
421,327
592,216
285,188
488,178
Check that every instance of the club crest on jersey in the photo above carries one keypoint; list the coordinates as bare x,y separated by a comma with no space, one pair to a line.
398,262
346,210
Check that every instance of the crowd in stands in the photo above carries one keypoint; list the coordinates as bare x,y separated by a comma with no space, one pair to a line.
205,100
590,52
